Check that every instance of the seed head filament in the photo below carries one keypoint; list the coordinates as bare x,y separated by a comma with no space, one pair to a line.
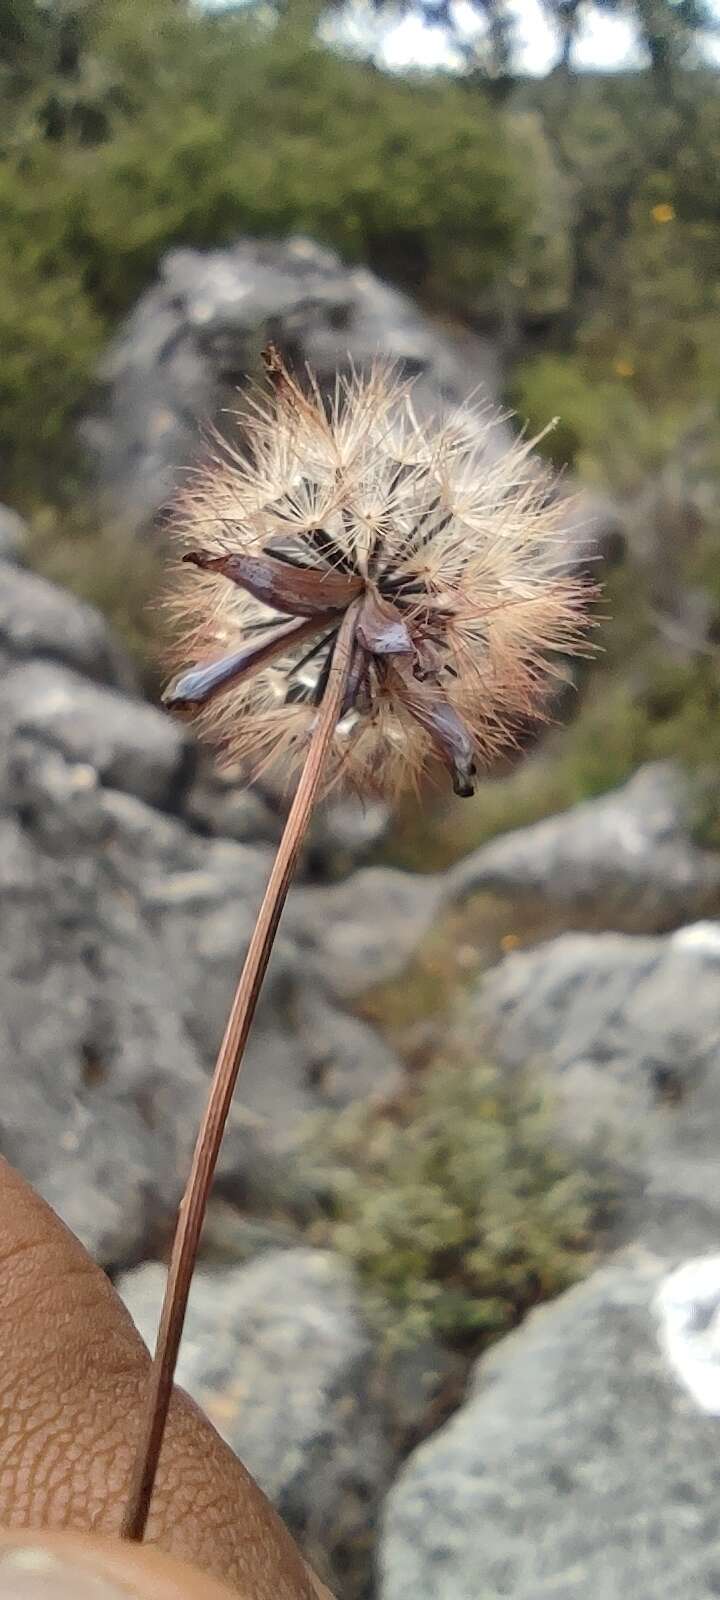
453,562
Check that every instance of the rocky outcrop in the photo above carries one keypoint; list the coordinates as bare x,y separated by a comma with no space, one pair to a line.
625,1031
579,1465
279,1356
195,337
581,1461
40,622
124,925
194,340
122,741
627,859
130,874
364,931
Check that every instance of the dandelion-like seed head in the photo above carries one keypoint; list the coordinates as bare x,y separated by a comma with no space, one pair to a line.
452,562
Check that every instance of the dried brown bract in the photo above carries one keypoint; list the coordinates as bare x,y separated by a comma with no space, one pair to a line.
452,560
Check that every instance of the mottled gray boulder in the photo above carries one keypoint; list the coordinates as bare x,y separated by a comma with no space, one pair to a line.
363,931
13,535
99,1078
579,1466
278,1355
40,621
344,1057
627,857
123,935
688,1311
342,833
125,922
127,743
195,337
627,1033
220,805
197,334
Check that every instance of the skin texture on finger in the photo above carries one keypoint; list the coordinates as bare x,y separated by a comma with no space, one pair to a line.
79,1566
72,1371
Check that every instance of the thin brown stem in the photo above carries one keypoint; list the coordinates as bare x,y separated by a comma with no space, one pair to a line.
194,1202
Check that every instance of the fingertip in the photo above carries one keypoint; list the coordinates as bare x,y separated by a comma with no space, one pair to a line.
74,1566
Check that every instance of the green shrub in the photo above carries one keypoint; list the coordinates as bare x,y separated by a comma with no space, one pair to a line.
460,1212
539,278
552,388
50,334
638,355
172,126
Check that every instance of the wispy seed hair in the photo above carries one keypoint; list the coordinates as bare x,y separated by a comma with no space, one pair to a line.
456,553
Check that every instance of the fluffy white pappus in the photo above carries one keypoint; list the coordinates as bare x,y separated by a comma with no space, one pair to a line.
454,563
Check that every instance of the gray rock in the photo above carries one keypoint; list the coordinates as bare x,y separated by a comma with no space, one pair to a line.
626,1031
579,1465
628,857
363,931
344,831
99,1079
127,743
123,936
195,337
197,334
39,620
304,1054
278,1355
124,930
345,1059
13,535
688,1311
220,805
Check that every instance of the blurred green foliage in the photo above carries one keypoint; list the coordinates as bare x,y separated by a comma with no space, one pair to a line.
582,212
458,1209
578,217
131,128
637,357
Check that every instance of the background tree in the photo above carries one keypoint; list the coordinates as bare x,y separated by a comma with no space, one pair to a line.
670,31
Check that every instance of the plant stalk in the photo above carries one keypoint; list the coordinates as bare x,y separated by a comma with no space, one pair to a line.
194,1202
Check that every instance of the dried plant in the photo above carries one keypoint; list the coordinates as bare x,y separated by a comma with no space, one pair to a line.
451,562
359,597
